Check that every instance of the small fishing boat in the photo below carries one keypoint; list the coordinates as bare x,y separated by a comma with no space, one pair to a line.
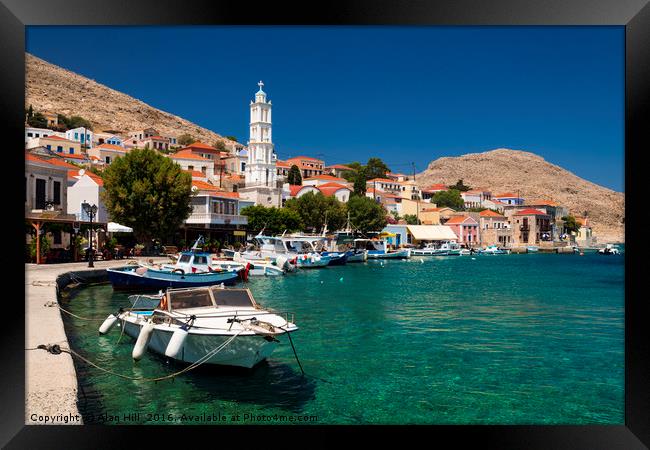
609,249
336,258
357,255
532,249
445,248
192,269
312,261
377,249
492,250
255,269
207,325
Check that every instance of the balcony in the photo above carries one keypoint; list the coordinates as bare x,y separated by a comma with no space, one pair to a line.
216,219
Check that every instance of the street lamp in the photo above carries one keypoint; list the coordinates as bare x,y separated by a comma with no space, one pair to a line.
91,210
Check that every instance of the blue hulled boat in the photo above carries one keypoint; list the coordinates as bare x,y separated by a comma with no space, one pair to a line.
192,269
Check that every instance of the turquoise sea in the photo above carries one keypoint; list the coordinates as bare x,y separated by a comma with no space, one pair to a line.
502,339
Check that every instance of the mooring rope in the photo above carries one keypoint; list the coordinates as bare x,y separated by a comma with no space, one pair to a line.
55,349
50,304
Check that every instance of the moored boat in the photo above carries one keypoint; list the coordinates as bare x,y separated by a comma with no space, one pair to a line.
378,249
211,325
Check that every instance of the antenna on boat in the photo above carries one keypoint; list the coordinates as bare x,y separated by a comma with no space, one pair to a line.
283,233
261,231
325,225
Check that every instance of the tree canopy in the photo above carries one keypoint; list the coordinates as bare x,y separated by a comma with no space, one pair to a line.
376,168
570,224
360,179
220,145
273,220
186,139
450,198
366,214
314,209
148,192
459,186
411,219
294,176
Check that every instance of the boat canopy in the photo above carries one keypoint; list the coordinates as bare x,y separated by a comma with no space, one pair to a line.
213,296
432,233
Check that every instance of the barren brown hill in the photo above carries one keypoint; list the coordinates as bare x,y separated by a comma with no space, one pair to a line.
51,88
505,170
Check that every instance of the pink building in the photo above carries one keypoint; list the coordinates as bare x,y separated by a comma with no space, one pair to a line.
466,228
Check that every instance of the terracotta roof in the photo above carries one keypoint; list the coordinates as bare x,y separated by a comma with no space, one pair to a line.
60,163
325,177
506,195
304,157
542,203
339,166
436,187
226,194
294,189
457,219
74,156
195,173
200,146
204,186
329,189
383,180
112,147
56,138
489,213
430,209
282,163
96,178
187,154
333,185
530,212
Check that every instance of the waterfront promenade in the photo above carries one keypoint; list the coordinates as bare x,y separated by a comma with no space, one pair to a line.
50,380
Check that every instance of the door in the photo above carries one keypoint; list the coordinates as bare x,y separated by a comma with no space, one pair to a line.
40,194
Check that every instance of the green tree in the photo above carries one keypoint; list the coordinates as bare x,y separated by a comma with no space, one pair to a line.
315,209
148,192
459,186
570,224
411,219
220,145
232,138
273,220
185,139
450,198
375,168
360,182
37,120
366,214
350,175
294,177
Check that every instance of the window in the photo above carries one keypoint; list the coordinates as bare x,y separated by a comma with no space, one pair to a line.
76,136
57,193
30,134
49,147
72,150
108,160
56,237
59,149
190,167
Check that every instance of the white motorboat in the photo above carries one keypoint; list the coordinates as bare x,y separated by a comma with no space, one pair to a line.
492,250
378,249
212,325
255,268
445,248
609,249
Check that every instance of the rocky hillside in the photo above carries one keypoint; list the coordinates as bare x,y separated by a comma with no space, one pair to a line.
51,88
505,170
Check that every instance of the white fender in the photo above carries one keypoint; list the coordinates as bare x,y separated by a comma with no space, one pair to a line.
143,340
109,323
281,261
176,343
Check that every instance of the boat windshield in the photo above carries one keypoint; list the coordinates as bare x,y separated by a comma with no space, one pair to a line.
232,297
185,258
195,298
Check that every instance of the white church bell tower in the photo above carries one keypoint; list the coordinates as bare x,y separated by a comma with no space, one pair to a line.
260,169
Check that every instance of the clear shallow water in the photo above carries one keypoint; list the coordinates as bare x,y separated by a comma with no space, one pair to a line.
503,339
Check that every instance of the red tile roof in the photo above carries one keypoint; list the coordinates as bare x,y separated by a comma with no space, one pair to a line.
187,154
56,138
279,163
195,173
325,177
458,219
436,187
294,189
339,166
329,189
112,147
200,146
383,180
530,212
74,156
489,213
304,157
506,195
224,194
96,178
204,186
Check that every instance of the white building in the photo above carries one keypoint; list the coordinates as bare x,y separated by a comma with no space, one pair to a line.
31,133
82,135
260,171
86,187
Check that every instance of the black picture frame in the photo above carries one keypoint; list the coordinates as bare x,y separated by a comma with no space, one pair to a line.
634,15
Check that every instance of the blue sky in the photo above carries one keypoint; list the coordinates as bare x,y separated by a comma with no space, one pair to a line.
405,94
